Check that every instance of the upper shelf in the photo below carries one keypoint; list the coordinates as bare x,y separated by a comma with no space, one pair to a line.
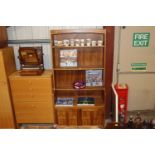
97,31
78,46
78,68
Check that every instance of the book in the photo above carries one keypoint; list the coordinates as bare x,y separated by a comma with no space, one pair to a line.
94,78
68,58
86,101
64,101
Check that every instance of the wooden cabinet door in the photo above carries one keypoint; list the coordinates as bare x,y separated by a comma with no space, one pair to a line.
92,116
67,116
61,115
87,116
72,117
83,116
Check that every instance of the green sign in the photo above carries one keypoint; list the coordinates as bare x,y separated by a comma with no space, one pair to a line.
138,66
141,39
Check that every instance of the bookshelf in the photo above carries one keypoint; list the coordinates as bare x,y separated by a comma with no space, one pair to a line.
90,58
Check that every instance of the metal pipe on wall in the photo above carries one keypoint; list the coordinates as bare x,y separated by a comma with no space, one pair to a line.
30,41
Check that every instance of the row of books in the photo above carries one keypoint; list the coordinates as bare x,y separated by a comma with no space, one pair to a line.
70,101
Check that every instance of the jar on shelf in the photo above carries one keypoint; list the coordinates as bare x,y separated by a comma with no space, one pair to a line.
100,43
82,42
88,42
59,43
77,42
66,42
72,42
55,42
93,43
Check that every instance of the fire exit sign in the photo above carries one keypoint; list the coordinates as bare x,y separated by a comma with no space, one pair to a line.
141,39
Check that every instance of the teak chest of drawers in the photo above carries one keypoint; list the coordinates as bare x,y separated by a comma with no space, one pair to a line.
32,98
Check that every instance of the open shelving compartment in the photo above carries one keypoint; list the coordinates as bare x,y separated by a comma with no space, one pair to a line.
88,58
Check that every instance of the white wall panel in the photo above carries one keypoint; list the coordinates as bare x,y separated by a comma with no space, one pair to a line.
11,33
23,32
40,32
47,56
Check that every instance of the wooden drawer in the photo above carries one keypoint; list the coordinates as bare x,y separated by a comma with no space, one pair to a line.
31,97
34,112
31,84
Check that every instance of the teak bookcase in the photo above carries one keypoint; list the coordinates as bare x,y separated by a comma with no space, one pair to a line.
88,58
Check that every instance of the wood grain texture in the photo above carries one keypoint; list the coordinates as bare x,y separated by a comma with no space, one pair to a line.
109,66
87,58
64,78
33,98
77,31
3,37
7,66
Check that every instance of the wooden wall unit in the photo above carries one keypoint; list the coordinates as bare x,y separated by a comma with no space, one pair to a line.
88,58
3,37
7,67
32,98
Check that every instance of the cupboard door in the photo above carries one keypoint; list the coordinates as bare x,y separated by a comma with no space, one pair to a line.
98,117
72,117
61,117
93,116
86,116
67,116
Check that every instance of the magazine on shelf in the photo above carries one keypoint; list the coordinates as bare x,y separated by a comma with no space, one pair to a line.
68,58
86,101
94,78
64,101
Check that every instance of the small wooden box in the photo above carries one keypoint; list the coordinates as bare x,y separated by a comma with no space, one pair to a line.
31,60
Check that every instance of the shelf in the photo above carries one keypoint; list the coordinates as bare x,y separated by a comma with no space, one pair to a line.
76,31
77,68
85,89
77,47
82,106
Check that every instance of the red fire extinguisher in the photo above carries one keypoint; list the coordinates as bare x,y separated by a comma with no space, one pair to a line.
122,91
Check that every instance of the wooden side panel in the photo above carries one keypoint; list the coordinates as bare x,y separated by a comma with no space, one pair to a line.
3,37
6,67
98,117
109,66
